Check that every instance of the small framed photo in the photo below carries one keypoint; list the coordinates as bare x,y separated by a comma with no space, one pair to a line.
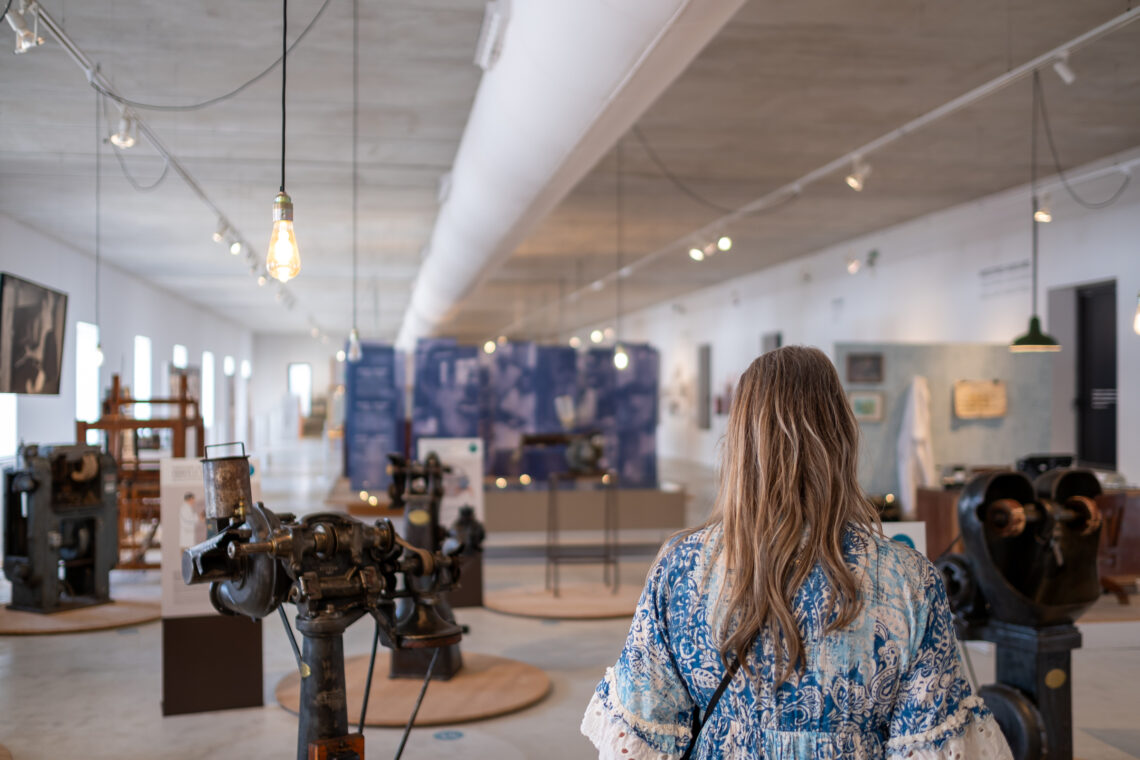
865,369
867,405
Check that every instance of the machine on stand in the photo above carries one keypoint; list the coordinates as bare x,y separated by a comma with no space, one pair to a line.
1029,571
61,527
336,570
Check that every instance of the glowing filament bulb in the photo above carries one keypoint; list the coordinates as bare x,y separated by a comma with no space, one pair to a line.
284,260
621,358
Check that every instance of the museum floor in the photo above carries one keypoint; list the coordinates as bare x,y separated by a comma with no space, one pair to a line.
96,695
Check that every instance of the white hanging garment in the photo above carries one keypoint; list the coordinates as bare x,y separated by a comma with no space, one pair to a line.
915,450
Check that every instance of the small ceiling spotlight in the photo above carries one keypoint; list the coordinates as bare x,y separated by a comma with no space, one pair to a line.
125,135
501,340
608,333
500,483
235,247
696,254
853,265
340,355
724,243
220,232
575,341
596,336
1061,66
261,280
26,38
489,347
1043,213
860,170
524,479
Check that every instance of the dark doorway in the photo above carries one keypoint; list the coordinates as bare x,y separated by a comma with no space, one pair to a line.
1096,375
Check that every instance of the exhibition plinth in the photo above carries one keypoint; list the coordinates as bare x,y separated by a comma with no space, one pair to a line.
115,614
486,687
575,601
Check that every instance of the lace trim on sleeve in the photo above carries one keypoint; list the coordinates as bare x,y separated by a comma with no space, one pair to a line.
970,733
613,739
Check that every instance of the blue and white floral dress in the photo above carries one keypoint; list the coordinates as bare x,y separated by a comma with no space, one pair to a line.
889,685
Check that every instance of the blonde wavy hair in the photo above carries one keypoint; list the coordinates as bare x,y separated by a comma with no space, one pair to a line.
788,491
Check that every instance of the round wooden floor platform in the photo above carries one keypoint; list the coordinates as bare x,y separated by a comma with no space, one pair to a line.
575,601
117,614
486,687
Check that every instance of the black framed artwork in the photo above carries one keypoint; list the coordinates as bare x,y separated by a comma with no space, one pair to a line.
32,323
865,369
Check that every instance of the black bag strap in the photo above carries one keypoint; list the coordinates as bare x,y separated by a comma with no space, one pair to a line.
698,721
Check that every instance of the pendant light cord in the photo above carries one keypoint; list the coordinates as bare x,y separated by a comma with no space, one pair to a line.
284,56
1033,179
355,135
98,206
620,238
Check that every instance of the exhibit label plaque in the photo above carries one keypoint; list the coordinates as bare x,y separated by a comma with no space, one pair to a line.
979,399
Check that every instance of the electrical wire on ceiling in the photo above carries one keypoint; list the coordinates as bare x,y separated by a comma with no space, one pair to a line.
220,98
122,162
674,179
1091,205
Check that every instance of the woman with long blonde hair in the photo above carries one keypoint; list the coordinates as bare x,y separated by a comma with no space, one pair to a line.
787,626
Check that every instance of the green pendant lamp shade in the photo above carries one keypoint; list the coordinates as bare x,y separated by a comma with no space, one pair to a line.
1034,341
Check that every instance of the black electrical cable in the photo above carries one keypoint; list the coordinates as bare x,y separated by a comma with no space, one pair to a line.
98,210
674,179
284,51
371,665
419,700
1033,182
355,137
220,98
1091,205
292,641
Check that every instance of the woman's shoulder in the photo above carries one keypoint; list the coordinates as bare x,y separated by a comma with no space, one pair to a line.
904,569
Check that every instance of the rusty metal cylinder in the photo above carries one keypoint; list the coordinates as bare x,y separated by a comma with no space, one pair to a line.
226,480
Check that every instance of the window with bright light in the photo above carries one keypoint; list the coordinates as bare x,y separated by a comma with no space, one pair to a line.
87,376
181,357
301,386
142,387
246,369
208,389
228,366
8,436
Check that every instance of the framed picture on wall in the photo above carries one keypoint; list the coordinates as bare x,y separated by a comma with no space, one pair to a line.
32,321
865,369
867,405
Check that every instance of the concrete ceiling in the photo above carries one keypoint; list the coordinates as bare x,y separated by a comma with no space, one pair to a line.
788,86
785,86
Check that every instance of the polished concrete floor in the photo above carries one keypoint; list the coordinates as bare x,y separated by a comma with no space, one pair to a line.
96,695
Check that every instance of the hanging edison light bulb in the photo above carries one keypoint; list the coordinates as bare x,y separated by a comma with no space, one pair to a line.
355,352
621,357
284,260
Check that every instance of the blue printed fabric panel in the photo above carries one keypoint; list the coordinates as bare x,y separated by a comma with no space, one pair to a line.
447,392
374,416
636,418
597,410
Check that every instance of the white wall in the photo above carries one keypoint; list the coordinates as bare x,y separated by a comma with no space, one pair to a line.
129,306
272,355
935,282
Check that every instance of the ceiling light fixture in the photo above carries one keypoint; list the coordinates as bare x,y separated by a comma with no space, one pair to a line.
235,249
220,232
853,265
596,336
125,135
490,44
860,170
355,352
283,260
696,254
489,347
261,280
1061,66
26,38
724,243
576,342
1136,319
621,356
1042,213
1034,340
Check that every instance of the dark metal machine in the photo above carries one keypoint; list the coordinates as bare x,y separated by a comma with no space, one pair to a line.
61,527
1028,573
335,569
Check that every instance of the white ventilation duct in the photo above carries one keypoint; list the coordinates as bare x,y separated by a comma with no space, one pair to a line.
571,77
